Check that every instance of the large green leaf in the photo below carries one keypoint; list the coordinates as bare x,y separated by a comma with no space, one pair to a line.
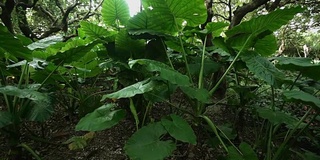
179,129
161,92
164,71
267,45
41,110
303,97
263,69
41,107
271,22
210,66
304,65
72,54
202,95
169,13
46,42
94,31
87,66
101,118
258,28
5,118
130,91
126,47
277,117
142,23
145,144
216,28
246,150
115,12
12,45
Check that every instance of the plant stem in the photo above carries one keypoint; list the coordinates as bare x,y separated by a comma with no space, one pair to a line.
148,108
214,129
165,48
283,145
184,54
269,151
200,83
45,80
230,66
34,154
134,113
225,136
14,109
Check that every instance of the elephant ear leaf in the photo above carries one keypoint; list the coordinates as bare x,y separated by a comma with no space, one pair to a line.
304,65
302,97
271,22
101,118
165,72
132,90
168,15
41,108
94,31
263,69
257,30
115,12
146,143
12,45
179,128
5,118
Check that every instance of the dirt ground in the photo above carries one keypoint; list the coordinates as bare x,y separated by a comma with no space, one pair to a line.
106,145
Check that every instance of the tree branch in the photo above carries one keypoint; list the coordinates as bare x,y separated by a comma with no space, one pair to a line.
240,12
230,10
59,6
45,11
220,2
273,6
22,18
64,21
221,16
5,15
63,25
26,5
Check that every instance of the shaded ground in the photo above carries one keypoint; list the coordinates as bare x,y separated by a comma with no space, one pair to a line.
106,145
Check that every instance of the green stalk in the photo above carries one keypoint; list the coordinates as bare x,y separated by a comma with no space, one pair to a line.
214,129
283,145
19,86
225,136
146,112
230,66
184,54
45,80
200,83
134,113
170,62
34,154
269,151
294,82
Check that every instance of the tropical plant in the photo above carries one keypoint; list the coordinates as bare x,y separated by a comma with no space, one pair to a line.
23,101
160,53
175,29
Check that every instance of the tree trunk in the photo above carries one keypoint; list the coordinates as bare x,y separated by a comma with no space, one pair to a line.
5,16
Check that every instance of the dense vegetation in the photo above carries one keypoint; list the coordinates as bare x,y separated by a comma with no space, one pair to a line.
181,54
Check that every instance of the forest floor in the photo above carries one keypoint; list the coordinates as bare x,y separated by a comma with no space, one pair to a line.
107,144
